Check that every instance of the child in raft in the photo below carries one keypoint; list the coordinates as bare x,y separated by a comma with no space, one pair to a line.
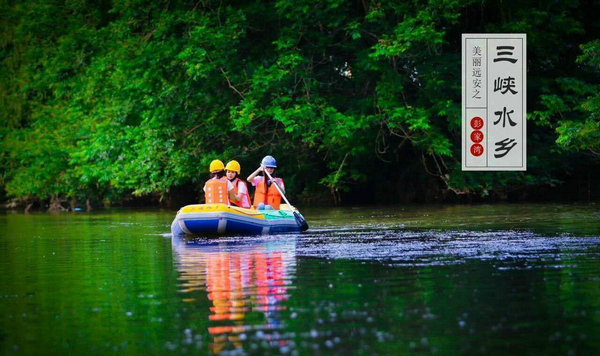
266,195
240,189
218,189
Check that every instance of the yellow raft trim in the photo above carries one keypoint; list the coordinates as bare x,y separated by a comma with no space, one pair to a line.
213,208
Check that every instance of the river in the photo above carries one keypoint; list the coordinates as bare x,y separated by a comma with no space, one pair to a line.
424,279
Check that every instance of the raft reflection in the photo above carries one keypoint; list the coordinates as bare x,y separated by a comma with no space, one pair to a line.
246,284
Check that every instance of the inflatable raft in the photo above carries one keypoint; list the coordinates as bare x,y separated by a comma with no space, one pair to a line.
220,219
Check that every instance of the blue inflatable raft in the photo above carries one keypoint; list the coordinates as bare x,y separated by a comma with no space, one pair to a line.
220,219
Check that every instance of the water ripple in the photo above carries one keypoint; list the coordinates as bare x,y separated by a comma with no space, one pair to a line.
422,248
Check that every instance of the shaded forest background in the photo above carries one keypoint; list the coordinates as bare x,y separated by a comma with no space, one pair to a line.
127,101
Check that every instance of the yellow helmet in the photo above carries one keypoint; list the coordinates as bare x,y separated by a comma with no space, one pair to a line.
216,166
234,166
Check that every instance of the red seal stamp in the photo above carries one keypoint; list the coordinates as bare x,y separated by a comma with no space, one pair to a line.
476,136
476,123
476,150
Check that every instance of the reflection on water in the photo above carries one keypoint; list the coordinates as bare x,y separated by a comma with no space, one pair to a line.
245,283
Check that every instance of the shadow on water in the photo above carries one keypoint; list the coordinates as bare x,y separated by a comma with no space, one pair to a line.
545,219
246,283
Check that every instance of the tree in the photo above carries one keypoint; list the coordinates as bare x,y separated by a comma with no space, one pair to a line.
103,100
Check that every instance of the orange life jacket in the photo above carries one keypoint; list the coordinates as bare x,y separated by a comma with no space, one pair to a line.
215,191
268,195
235,182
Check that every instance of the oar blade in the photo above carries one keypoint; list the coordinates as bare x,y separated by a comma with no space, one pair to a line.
301,221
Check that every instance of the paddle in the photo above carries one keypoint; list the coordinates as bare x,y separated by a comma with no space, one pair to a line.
299,219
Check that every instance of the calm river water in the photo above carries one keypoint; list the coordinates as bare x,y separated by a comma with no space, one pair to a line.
394,280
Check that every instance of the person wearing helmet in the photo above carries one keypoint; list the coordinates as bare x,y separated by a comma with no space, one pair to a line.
240,189
218,190
266,195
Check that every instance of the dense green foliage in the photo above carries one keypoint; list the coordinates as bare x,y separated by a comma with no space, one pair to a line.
104,99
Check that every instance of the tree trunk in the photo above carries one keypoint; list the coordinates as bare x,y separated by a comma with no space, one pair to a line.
55,205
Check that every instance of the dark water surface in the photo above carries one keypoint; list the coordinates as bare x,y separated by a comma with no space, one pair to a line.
418,279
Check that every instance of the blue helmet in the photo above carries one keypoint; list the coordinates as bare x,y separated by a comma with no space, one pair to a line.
269,161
